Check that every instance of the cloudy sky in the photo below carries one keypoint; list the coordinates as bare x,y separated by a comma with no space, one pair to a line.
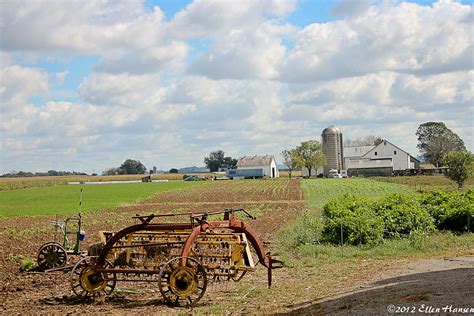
86,85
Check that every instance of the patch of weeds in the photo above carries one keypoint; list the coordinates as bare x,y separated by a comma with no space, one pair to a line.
34,230
28,264
14,257
305,230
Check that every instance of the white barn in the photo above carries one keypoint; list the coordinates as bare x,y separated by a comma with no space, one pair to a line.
266,164
383,158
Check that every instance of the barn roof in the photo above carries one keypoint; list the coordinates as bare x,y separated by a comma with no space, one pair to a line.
254,161
357,151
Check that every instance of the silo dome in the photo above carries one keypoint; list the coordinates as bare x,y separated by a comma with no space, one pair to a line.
332,149
331,130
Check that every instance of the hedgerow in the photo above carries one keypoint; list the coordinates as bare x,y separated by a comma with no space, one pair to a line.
352,220
358,220
452,211
402,214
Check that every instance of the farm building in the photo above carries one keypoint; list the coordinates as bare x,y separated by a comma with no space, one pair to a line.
254,167
382,159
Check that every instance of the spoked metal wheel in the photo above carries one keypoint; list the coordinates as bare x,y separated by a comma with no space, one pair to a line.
182,285
87,283
51,255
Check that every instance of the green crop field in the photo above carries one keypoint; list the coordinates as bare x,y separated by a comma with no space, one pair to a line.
64,199
319,191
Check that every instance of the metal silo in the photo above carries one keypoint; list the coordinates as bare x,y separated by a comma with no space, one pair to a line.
333,149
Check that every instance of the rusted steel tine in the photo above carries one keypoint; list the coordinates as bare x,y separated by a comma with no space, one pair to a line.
164,243
145,219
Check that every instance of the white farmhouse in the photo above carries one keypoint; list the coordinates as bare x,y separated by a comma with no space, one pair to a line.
255,167
382,159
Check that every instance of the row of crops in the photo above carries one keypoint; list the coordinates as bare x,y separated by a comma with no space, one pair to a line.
364,220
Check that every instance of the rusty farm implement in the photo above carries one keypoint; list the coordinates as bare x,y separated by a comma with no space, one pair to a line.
182,258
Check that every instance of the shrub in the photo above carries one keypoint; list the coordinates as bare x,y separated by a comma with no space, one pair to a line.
355,218
403,214
451,210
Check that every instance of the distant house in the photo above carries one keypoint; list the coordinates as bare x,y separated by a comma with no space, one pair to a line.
254,167
382,159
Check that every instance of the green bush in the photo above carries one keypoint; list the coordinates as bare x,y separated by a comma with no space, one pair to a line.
355,218
452,210
368,221
403,214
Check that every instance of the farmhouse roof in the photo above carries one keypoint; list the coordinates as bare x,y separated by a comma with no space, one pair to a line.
254,161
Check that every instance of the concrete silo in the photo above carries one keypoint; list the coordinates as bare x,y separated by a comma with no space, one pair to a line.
333,149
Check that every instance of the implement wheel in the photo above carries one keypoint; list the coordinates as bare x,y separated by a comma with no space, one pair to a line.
182,285
51,255
87,283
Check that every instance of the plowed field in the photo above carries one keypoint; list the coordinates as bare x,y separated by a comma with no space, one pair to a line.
274,202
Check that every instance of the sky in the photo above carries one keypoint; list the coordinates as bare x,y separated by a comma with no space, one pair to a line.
86,85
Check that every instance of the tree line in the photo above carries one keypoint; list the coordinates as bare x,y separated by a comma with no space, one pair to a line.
49,173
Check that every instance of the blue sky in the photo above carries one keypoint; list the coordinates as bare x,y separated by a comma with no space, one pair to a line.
85,87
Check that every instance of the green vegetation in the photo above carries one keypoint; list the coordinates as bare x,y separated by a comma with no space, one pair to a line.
64,199
435,140
320,191
378,220
416,245
458,163
427,183
307,229
28,264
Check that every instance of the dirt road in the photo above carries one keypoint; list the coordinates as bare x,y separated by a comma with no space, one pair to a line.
429,286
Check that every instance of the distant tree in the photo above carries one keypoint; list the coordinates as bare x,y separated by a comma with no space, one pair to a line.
110,172
369,140
290,159
310,155
173,170
229,162
131,166
215,160
53,173
436,140
459,164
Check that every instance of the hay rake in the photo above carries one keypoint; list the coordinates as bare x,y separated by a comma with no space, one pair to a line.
181,257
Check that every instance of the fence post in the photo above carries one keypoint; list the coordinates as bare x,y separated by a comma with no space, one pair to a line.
342,241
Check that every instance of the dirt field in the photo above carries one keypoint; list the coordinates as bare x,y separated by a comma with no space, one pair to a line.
21,237
358,286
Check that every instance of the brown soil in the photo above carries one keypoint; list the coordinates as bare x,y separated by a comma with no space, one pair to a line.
21,237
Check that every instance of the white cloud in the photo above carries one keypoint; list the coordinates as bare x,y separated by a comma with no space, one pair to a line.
66,25
204,18
18,84
403,38
260,85
244,53
125,90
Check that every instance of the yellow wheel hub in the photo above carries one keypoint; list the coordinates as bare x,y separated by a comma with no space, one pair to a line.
183,281
92,281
